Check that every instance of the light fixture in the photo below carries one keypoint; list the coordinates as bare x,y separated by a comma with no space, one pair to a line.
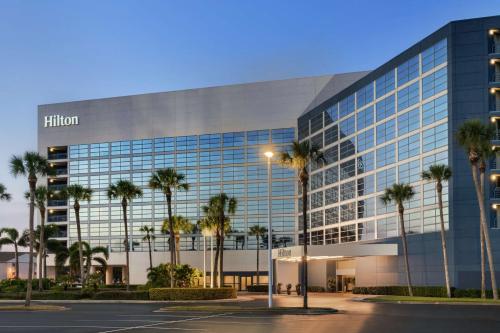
493,177
493,90
269,154
493,119
494,206
493,61
492,31
51,211
52,149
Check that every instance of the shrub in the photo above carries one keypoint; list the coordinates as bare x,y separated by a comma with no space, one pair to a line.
289,289
173,294
430,291
297,289
46,295
278,290
121,295
184,276
18,285
262,288
316,289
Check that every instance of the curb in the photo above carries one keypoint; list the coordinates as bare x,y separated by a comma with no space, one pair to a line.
92,301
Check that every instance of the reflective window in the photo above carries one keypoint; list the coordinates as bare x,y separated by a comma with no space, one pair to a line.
409,172
435,83
234,139
164,144
385,83
347,149
186,142
332,215
347,169
386,155
348,190
331,175
435,110
332,236
364,95
408,70
347,127
331,135
366,163
366,208
99,149
408,96
346,106
387,227
331,195
366,185
365,140
385,108
434,56
142,146
348,212
386,131
208,141
366,230
409,147
316,122
386,178
283,135
365,118
332,114
258,137
408,121
435,137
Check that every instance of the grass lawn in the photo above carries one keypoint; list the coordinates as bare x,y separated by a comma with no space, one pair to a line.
32,308
432,300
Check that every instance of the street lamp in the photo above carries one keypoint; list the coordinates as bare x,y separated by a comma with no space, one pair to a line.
269,155
208,233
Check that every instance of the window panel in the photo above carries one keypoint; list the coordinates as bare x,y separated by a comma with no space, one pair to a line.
435,110
385,108
408,121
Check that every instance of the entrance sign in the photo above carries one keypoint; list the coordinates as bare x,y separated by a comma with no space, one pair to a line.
58,121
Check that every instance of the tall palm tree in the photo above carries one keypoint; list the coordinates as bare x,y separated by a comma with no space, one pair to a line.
31,165
167,181
50,231
148,237
219,207
299,158
209,224
11,238
42,194
126,191
4,196
78,193
474,137
440,173
98,254
399,193
258,232
181,224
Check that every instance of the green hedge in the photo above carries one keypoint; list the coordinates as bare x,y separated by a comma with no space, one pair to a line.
262,288
121,295
401,291
173,294
46,295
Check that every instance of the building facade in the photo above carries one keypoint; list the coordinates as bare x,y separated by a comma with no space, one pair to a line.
375,129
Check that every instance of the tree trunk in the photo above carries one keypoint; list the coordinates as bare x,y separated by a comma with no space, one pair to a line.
80,249
127,245
177,249
405,248
487,241
16,253
171,239
150,255
305,278
217,247
483,263
41,248
258,249
32,185
221,260
439,189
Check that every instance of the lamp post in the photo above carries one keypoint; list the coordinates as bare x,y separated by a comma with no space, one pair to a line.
269,155
208,233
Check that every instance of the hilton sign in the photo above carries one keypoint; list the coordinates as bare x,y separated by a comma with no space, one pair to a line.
58,121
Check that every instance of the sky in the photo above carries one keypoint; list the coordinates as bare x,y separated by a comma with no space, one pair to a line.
54,51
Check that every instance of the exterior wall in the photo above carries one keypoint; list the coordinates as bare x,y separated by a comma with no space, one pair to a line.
287,273
317,270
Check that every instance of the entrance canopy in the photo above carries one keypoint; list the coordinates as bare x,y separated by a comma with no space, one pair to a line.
335,251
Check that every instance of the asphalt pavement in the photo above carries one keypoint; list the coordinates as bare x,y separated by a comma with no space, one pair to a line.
353,317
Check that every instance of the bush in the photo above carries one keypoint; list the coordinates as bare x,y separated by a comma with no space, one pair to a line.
262,288
121,295
184,276
18,285
430,291
174,294
46,295
316,289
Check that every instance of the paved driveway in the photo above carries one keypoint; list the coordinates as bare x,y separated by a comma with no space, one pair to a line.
353,317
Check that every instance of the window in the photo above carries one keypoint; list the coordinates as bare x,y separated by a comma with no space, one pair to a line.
366,230
331,135
331,155
332,215
366,185
385,83
282,135
435,110
99,149
408,121
332,236
317,140
435,137
408,70
76,167
316,121
347,149
164,161
438,158
120,148
258,137
186,159
409,172
234,139
303,127
120,164
386,131
164,144
365,140
348,233
316,181
317,219
408,96
347,169
233,173
434,83
385,179
348,190
366,208
364,95
366,163
385,108
79,151
332,114
186,142
365,118
256,172
142,162
431,219
317,237
387,227
409,147
316,199
347,127
386,155
142,146
332,175
346,106
209,141
348,212
434,56
100,165
209,158
331,195
233,156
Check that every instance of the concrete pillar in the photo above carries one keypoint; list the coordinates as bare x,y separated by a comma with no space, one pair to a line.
109,275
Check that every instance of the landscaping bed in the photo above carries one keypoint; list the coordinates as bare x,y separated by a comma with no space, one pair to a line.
177,294
431,291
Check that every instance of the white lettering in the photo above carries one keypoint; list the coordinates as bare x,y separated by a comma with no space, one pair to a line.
58,120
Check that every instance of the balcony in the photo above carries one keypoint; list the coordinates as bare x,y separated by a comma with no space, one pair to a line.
56,203
57,187
58,156
495,77
495,48
57,218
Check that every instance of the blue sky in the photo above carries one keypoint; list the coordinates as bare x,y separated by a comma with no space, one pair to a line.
53,51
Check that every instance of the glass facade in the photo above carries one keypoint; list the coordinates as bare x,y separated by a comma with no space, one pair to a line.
387,132
213,163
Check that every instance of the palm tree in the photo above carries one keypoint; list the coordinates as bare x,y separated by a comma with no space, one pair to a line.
78,193
181,224
50,231
299,158
209,225
149,236
167,181
11,238
42,194
126,191
399,193
258,232
4,196
474,137
218,209
440,173
31,165
98,254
